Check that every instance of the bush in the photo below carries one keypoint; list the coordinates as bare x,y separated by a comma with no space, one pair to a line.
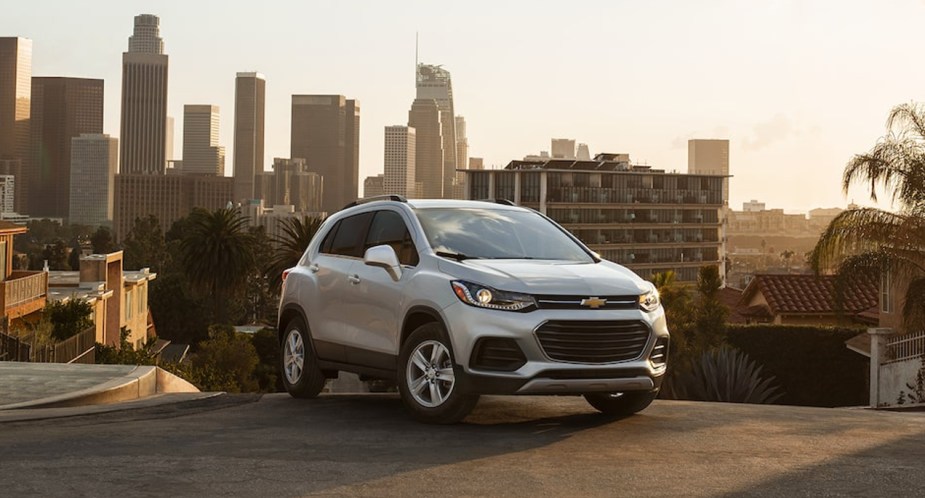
725,375
811,364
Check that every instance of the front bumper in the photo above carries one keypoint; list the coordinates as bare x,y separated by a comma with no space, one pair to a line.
541,374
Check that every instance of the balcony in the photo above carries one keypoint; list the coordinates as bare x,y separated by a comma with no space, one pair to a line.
24,292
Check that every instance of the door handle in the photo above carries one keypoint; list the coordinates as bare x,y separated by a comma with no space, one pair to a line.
354,279
314,268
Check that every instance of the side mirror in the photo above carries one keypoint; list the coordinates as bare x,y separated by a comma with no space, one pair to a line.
384,257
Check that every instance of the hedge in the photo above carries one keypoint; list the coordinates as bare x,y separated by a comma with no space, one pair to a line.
811,364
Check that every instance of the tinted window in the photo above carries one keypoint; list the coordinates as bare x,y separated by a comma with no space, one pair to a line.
498,234
348,236
389,228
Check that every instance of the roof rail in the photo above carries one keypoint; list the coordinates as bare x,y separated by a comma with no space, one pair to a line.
392,197
503,202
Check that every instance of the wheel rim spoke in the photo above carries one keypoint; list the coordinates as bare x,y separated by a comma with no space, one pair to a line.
429,374
294,357
419,360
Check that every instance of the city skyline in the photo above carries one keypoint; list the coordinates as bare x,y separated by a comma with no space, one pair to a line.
795,106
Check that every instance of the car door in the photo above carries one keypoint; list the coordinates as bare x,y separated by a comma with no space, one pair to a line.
328,312
377,300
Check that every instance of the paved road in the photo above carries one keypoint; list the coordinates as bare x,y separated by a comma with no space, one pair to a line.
343,445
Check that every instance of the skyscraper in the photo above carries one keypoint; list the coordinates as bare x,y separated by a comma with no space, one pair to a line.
15,107
425,117
462,158
202,155
249,111
399,161
94,162
168,140
62,108
144,100
325,132
563,148
709,157
433,82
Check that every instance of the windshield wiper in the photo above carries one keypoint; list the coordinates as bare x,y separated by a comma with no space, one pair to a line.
454,255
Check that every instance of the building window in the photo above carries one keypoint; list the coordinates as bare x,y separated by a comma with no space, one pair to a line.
886,292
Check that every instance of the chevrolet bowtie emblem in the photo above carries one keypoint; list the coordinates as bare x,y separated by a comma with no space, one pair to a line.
593,302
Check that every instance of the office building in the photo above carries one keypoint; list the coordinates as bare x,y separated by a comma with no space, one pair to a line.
62,108
144,100
462,158
249,113
7,193
374,186
645,219
434,82
325,132
425,117
168,140
202,155
94,163
709,157
15,107
583,154
168,197
563,148
291,183
476,163
399,160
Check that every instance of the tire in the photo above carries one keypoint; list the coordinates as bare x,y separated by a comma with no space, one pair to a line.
432,395
621,404
298,364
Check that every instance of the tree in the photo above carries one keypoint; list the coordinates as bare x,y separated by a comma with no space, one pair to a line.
217,255
865,242
57,255
102,241
225,362
180,316
68,318
145,245
297,234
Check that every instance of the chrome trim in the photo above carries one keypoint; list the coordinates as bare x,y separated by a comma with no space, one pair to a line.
579,386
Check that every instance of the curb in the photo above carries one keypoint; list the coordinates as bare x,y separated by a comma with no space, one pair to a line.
141,382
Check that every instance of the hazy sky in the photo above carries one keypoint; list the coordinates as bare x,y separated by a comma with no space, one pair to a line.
797,86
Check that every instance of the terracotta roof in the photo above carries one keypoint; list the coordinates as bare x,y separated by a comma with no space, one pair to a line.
810,294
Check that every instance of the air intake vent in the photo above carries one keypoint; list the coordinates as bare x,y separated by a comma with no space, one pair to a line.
493,353
593,341
660,352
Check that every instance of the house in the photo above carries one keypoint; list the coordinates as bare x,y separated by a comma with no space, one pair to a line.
22,293
808,300
119,298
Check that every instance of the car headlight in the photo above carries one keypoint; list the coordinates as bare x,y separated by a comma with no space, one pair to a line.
486,297
649,301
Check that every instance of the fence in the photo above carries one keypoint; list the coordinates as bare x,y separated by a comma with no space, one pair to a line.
80,348
905,347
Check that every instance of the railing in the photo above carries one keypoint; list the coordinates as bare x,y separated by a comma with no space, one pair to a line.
905,347
23,287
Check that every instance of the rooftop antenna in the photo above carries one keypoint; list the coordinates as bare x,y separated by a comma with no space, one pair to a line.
415,58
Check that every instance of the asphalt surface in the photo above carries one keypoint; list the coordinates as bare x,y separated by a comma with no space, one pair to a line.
349,445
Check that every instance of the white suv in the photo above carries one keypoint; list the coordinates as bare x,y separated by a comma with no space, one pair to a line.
453,299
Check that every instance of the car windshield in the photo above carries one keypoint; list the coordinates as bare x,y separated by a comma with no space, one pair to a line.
475,233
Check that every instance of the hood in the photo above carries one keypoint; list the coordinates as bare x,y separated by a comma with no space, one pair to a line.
548,277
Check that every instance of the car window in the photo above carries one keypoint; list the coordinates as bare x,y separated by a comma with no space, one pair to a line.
498,234
348,236
389,228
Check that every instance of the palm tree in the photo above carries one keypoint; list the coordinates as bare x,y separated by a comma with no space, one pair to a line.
297,233
865,242
217,255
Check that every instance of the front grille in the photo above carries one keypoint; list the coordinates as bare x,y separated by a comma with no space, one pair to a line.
495,353
593,341
549,302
